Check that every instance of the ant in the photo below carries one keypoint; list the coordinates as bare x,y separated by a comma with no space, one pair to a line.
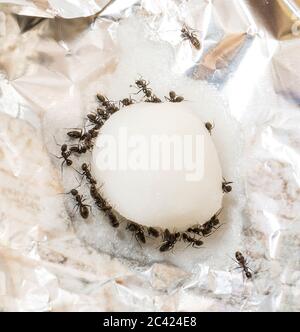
78,149
87,173
127,101
211,225
137,230
226,186
153,232
80,134
207,228
88,140
95,119
109,106
153,99
83,208
65,154
209,126
243,264
142,85
104,206
174,98
195,243
186,34
169,240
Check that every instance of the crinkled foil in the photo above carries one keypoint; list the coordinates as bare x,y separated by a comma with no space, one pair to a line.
49,52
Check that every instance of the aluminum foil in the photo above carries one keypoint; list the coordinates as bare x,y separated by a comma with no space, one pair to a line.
50,53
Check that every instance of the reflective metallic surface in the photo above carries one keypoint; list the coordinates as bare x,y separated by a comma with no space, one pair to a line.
49,52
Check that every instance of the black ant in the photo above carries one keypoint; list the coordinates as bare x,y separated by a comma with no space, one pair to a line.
104,206
102,99
137,230
226,186
209,126
195,243
83,208
77,134
65,154
127,101
206,228
87,173
95,119
80,149
174,98
211,225
153,232
142,85
186,34
243,264
153,99
109,106
169,240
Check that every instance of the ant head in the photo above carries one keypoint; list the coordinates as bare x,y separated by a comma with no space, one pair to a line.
74,192
208,125
84,166
64,148
172,94
238,255
69,162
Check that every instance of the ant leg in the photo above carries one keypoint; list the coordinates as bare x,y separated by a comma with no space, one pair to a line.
56,156
76,207
62,167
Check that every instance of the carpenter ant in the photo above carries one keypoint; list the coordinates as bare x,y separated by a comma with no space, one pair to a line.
83,208
169,240
209,126
137,230
226,186
195,243
186,34
174,98
243,264
153,232
104,206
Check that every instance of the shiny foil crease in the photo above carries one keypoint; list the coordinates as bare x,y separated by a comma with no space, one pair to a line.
250,52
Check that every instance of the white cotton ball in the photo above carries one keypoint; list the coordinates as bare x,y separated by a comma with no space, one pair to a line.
164,185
